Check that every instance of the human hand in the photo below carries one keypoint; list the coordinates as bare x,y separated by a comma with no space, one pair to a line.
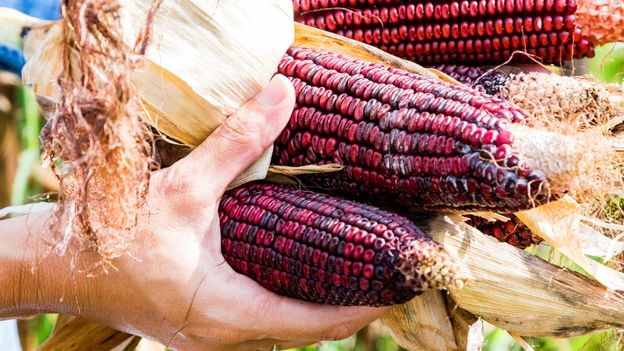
175,286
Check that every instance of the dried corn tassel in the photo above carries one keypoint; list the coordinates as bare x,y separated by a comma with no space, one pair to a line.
96,142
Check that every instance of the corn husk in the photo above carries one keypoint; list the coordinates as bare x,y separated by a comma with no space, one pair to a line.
74,333
557,222
468,329
186,96
522,293
423,324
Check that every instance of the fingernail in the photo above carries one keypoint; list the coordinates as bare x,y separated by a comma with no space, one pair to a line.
273,94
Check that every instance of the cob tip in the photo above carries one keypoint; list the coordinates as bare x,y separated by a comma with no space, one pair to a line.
436,268
583,163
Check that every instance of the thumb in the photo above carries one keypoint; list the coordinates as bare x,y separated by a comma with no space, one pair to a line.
242,138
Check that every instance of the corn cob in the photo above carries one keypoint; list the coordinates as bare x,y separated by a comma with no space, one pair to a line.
470,30
328,250
513,232
409,140
580,101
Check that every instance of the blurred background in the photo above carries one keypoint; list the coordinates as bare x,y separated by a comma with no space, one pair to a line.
23,180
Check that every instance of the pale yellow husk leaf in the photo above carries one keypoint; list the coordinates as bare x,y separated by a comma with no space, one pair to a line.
522,293
302,170
76,334
206,59
423,324
434,322
557,222
468,329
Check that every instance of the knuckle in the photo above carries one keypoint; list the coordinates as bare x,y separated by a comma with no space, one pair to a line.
171,182
239,128
244,129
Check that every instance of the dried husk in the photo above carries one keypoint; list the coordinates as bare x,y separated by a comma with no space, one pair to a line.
422,324
75,334
522,293
558,222
468,329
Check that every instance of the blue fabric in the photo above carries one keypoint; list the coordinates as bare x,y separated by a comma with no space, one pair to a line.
45,9
11,59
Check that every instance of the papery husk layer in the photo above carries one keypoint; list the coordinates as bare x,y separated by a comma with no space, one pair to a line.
522,293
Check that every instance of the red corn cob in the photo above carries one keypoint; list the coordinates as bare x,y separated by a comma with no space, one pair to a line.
469,30
404,138
512,232
328,250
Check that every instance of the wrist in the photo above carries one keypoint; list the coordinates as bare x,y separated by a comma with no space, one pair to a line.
30,276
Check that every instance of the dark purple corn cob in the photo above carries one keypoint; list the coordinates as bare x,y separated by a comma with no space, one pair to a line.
323,249
404,138
485,79
467,31
512,232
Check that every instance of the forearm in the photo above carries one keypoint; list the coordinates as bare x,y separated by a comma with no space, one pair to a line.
30,276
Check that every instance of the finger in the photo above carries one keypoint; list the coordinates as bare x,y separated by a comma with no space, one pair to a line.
290,319
243,137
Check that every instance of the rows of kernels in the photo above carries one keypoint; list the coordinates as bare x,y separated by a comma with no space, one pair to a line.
403,137
316,247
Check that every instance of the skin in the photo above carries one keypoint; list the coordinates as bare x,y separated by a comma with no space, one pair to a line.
174,285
